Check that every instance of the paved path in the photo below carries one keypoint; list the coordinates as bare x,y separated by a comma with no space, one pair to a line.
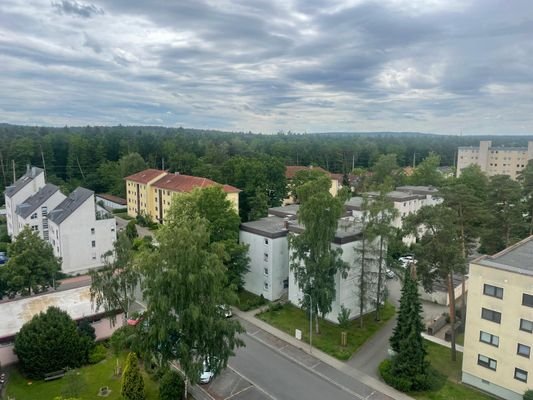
141,230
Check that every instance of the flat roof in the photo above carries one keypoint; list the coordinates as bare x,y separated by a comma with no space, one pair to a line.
15,313
271,227
517,258
284,211
418,189
354,203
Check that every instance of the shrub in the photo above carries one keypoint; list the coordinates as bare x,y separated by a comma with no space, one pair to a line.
3,247
97,354
122,339
119,210
132,380
275,307
49,342
171,386
401,384
528,395
344,317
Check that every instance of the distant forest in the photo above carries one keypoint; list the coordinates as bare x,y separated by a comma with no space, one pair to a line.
81,155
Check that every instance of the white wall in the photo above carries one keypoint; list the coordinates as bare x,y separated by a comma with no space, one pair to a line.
51,203
11,203
72,240
347,289
272,254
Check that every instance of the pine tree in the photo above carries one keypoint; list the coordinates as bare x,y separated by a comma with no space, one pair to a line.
132,380
409,365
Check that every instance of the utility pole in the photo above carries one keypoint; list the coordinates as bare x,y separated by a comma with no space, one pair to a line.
414,160
353,162
79,166
163,163
3,169
42,156
14,174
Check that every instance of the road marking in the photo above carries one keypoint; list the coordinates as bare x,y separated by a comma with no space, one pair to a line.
254,333
239,392
370,395
253,383
316,365
326,378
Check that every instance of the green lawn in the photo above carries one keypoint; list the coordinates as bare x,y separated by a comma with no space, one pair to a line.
93,376
290,318
248,301
451,389
123,215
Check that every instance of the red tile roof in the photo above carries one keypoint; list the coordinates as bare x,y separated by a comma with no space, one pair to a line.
114,199
291,170
186,183
145,176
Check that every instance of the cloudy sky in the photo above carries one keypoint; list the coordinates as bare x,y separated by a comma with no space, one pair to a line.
444,66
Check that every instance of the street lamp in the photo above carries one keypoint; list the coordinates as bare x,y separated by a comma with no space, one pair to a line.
310,322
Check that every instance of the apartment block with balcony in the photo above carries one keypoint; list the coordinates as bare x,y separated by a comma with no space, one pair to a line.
151,191
495,160
499,322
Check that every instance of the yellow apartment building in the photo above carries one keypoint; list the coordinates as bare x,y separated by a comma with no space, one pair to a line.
499,322
291,170
495,160
150,192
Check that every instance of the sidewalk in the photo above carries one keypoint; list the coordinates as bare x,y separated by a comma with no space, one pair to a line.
442,342
321,356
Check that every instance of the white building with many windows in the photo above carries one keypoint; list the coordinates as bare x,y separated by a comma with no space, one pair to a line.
499,322
79,234
34,210
28,185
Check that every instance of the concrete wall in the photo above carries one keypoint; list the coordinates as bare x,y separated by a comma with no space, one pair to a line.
269,254
512,310
73,239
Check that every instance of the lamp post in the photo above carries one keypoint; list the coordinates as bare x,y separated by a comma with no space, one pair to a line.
310,322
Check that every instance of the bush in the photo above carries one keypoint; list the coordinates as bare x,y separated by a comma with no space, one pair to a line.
251,302
49,342
123,339
401,384
344,317
97,354
132,380
171,386
3,247
528,395
119,210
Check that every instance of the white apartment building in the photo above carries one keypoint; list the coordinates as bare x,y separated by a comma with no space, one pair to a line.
498,337
269,257
495,160
25,187
78,234
34,210
406,199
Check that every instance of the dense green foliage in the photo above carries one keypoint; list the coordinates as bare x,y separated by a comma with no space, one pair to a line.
184,283
32,266
313,262
528,395
171,386
132,380
408,369
49,342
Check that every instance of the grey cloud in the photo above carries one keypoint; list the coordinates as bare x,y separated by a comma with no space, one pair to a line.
73,7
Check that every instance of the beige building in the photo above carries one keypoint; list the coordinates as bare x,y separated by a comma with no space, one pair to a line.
291,170
495,160
499,322
150,192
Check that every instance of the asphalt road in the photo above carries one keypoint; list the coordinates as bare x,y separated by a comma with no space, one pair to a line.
278,377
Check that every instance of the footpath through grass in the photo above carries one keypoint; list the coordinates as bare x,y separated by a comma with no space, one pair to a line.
93,378
451,388
288,318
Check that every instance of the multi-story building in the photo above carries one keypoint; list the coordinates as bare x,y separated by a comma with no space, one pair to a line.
499,322
25,187
291,170
269,253
34,210
80,235
151,191
495,160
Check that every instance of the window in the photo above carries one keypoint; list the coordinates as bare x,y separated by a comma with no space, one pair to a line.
523,350
33,216
92,231
34,227
265,271
491,315
266,241
265,257
93,243
489,338
265,285
520,374
486,362
526,325
527,300
493,291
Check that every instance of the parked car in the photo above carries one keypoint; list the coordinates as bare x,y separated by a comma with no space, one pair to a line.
208,373
225,310
3,258
389,273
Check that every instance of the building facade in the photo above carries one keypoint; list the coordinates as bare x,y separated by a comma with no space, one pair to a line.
150,192
33,212
499,323
28,185
79,235
291,170
495,160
